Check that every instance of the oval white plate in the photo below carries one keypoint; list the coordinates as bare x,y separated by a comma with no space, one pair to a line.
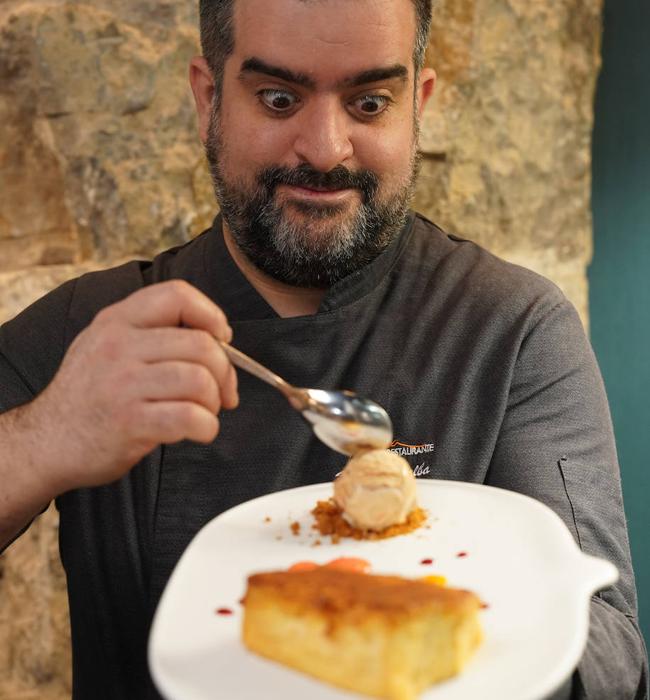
519,558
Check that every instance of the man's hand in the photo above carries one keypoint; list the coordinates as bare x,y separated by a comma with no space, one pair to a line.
147,371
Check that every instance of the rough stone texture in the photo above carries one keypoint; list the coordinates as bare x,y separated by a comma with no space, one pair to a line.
98,123
99,161
35,657
508,135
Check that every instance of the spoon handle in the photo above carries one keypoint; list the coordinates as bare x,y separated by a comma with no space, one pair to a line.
238,358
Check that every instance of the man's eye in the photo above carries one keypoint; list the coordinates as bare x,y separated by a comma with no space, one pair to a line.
370,105
278,100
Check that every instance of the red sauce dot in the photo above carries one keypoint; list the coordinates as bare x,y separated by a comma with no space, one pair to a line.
460,555
484,606
426,562
223,611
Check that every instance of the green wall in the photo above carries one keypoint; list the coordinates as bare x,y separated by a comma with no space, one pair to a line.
620,273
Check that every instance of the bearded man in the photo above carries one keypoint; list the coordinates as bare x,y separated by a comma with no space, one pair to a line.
132,418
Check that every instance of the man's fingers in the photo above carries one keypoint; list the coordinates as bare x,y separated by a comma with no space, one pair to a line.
167,422
159,344
173,303
179,381
229,391
189,345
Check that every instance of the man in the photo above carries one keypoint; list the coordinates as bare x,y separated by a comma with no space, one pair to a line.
133,419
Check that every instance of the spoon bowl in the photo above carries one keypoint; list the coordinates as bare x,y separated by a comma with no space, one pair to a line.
344,421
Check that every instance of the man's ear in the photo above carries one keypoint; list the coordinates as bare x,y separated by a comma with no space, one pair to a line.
203,88
426,84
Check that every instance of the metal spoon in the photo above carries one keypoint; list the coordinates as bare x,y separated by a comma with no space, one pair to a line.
342,420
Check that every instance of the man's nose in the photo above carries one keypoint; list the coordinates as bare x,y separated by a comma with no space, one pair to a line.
324,137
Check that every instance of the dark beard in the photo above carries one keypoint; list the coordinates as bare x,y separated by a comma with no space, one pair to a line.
296,254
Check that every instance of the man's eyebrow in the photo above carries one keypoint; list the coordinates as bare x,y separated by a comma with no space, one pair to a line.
256,65
373,75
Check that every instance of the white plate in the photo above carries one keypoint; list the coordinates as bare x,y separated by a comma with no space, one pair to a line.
520,559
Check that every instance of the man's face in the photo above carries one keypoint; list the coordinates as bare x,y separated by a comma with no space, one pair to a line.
312,146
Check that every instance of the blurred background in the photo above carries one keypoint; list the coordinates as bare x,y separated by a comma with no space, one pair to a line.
529,148
619,275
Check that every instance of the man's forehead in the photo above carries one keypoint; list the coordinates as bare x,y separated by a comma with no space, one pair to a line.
340,38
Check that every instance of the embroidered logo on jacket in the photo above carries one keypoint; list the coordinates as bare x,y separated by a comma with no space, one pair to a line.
405,450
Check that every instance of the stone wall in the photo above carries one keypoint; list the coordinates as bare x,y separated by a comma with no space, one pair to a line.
99,162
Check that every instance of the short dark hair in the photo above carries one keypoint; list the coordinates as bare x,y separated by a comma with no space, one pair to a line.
218,34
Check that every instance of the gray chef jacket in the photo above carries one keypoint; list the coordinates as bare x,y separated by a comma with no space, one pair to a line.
484,362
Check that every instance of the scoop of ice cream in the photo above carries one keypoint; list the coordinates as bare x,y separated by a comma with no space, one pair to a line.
376,490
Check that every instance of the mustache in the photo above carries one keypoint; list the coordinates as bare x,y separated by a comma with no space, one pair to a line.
339,178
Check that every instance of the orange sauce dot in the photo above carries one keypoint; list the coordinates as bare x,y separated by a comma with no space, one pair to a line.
303,566
349,564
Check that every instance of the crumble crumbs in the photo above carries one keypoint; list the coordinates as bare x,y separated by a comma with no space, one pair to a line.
330,521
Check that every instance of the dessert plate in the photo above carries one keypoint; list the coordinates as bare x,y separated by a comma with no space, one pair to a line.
511,550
